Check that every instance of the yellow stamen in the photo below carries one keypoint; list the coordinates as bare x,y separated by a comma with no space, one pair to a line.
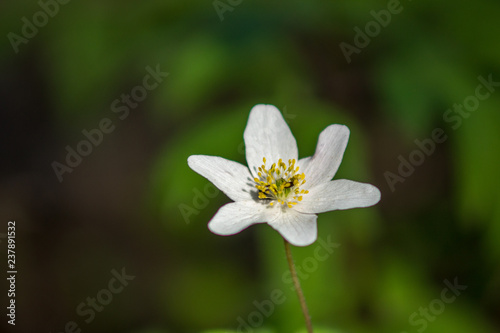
280,183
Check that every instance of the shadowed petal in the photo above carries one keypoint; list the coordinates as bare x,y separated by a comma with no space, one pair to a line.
338,194
236,216
230,177
297,228
267,135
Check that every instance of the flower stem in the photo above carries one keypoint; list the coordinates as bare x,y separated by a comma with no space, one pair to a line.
296,284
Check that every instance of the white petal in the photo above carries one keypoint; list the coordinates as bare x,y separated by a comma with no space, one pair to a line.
236,216
303,163
322,166
297,228
267,135
338,194
230,177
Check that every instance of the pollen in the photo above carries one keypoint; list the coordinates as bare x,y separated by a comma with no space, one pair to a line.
280,183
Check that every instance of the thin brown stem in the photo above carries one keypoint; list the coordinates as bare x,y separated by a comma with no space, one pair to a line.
296,284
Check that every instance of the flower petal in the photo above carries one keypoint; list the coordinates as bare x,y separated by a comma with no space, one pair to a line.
236,216
338,194
297,228
267,135
323,165
230,177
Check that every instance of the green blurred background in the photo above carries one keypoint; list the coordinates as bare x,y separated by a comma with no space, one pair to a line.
133,202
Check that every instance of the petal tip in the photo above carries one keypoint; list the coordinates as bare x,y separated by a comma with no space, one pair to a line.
192,160
377,195
301,242
264,108
340,128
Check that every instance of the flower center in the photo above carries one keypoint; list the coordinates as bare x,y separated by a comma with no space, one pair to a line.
280,183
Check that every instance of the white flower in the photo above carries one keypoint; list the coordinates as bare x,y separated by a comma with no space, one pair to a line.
277,188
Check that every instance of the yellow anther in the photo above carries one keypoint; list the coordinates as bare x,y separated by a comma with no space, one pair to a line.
280,183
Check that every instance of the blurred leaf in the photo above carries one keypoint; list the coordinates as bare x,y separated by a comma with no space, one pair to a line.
206,294
198,69
228,331
322,330
419,84
476,174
